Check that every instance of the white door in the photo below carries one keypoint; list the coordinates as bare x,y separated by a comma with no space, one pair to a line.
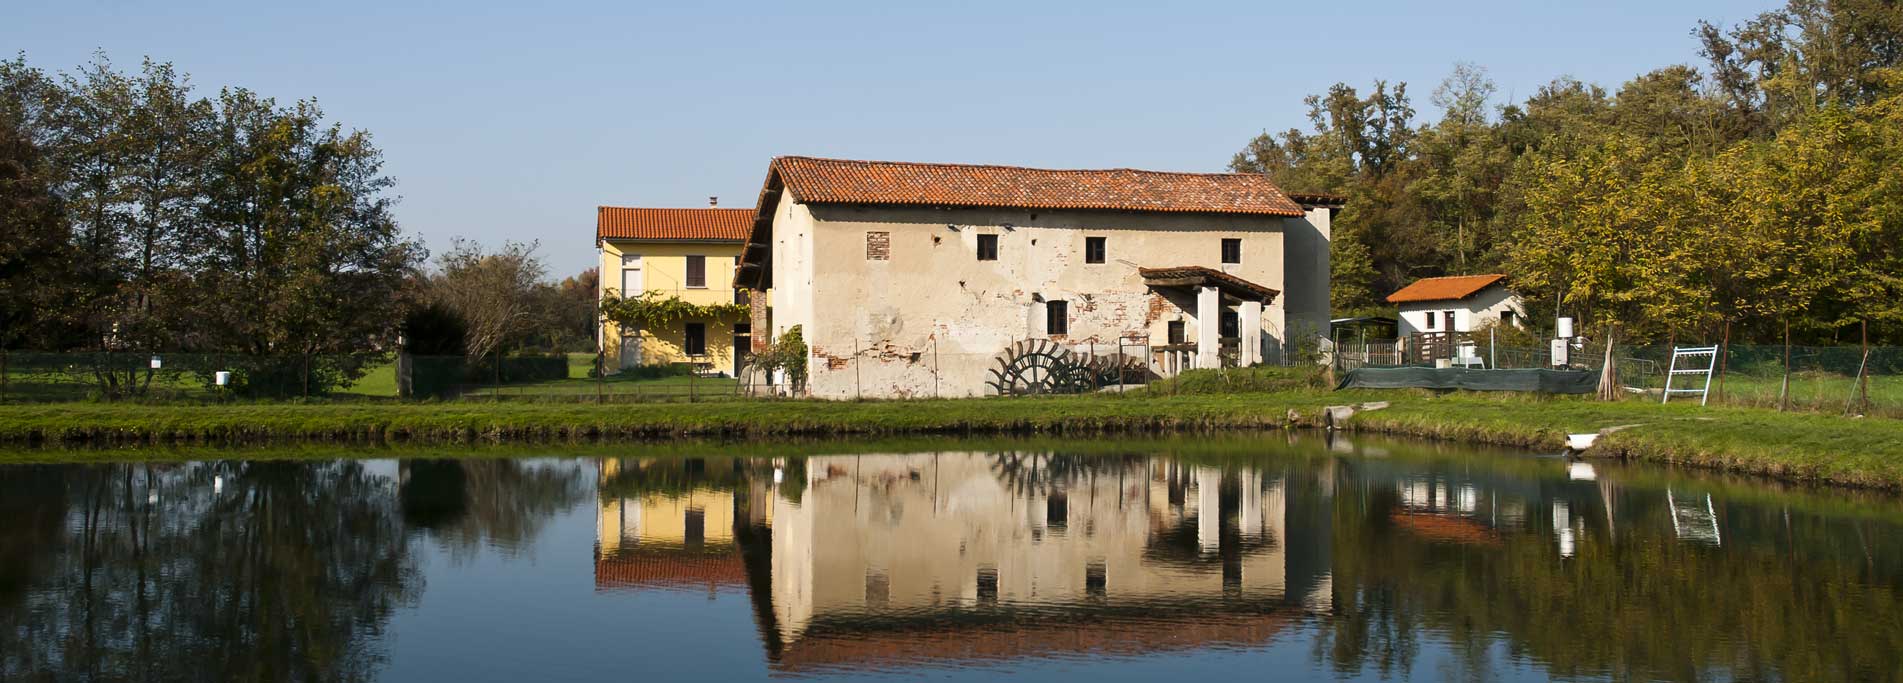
630,348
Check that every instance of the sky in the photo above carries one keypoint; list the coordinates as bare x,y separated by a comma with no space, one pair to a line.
514,120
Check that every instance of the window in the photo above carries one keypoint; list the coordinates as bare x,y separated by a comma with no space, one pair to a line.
1506,317
1450,320
878,246
696,342
1056,317
987,247
1093,249
1232,250
1176,333
696,271
631,275
987,585
1229,325
1430,320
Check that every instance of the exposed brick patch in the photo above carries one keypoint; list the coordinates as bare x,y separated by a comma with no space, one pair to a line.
878,245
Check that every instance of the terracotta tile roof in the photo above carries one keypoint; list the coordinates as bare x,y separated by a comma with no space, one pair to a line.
1196,276
698,225
1450,288
838,181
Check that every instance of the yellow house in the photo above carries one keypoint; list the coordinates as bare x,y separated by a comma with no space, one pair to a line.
684,253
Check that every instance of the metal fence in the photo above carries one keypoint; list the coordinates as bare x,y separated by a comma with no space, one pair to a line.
33,377
1839,379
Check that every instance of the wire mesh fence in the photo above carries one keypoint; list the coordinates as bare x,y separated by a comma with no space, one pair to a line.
1843,379
33,377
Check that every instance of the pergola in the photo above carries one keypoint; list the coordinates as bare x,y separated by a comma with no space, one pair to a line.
1214,291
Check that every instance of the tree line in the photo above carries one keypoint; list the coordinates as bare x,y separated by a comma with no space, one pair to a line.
1757,193
137,216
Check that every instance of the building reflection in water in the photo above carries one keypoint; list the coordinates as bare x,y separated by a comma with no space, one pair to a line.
874,560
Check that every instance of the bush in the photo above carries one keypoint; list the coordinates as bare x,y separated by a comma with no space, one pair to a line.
1240,380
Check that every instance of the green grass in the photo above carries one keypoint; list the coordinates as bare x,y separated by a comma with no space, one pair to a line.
1865,452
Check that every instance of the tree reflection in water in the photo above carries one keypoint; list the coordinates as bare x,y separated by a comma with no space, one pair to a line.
234,570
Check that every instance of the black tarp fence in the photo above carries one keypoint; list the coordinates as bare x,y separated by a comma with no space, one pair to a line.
1540,381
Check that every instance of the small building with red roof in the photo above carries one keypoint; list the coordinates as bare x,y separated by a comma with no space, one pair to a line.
1456,303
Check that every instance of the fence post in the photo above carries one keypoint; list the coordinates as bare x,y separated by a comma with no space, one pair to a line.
857,392
935,365
692,378
1121,370
3,375
495,394
307,375
1724,358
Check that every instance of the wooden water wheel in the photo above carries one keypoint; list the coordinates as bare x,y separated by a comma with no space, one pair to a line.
1037,366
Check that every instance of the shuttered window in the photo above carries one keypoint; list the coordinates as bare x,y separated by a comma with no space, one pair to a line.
697,271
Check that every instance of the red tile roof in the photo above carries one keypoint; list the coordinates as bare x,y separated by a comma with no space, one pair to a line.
1198,276
686,225
1450,288
838,181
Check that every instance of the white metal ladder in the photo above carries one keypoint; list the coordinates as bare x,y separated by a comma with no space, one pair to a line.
1690,353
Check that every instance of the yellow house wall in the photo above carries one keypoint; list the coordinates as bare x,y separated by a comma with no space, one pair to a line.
664,269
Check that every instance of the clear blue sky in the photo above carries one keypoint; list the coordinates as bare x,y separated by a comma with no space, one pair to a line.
513,120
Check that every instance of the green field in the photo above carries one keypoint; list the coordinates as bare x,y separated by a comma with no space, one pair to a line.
1821,447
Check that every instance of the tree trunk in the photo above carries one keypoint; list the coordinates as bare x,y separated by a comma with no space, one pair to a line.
1609,373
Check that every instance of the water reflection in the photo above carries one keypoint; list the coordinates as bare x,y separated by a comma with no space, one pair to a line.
887,562
1301,557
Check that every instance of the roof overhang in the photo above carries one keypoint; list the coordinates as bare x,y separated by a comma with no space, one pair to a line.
1234,289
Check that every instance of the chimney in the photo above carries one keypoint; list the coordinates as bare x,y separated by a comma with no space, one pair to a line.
713,202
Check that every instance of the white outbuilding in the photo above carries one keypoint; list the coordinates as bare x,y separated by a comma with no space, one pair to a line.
1456,303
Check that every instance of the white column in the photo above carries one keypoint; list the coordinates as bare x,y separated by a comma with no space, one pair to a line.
1209,509
1208,328
1250,319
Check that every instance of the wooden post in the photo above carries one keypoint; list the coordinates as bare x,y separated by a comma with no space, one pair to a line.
935,365
601,373
1863,371
496,393
857,394
3,375
691,382
1120,365
1784,390
1724,355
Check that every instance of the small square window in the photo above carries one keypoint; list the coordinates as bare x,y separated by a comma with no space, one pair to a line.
1056,317
1430,320
1506,317
1232,250
1229,325
987,247
1176,332
1093,249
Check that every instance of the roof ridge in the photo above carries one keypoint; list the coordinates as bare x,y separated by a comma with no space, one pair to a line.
749,209
1450,277
1020,168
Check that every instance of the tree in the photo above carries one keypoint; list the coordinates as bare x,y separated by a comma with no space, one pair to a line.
34,242
494,293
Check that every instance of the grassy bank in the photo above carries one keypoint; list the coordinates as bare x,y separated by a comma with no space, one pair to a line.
1794,446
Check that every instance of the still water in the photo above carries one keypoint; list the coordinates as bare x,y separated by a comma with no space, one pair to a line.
1279,557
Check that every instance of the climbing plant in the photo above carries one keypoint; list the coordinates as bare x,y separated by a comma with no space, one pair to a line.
656,308
788,353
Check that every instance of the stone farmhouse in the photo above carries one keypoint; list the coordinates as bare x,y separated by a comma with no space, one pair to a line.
921,280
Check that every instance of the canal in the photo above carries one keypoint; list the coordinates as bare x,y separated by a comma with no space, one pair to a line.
1285,557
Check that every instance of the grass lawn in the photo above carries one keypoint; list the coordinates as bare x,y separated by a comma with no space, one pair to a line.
380,382
1799,446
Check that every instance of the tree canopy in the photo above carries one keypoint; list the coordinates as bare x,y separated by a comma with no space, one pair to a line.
1754,192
